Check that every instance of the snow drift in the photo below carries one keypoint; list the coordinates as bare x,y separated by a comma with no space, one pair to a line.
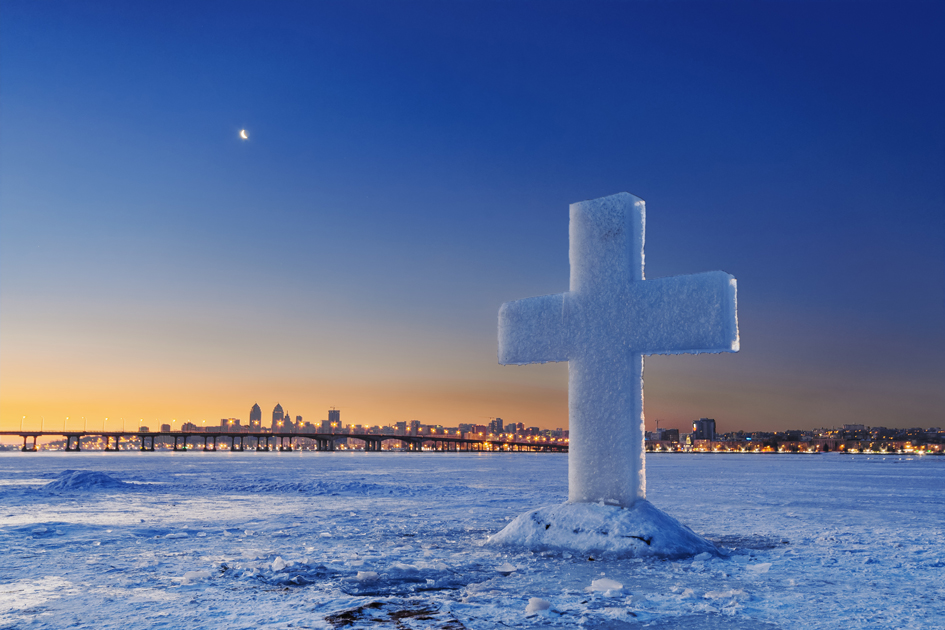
640,530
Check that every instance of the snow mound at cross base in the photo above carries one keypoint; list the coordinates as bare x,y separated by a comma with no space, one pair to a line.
640,530
84,480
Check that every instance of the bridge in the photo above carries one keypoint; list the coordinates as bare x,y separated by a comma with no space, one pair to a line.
265,441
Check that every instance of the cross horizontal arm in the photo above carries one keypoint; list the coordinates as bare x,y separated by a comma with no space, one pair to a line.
683,314
533,330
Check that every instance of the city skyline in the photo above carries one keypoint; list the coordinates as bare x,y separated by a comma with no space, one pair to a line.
407,168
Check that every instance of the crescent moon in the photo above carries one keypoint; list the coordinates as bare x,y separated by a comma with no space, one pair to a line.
243,134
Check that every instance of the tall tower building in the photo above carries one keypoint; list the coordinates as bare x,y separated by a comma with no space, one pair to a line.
255,417
277,416
334,418
703,429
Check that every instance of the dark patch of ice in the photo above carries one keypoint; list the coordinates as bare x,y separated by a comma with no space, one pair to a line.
750,541
394,582
394,614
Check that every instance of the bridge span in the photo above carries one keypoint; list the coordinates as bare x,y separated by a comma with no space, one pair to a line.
239,441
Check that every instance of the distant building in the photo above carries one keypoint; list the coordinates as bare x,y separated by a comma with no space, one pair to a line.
414,427
277,416
703,429
230,423
663,435
496,426
188,426
255,417
334,418
165,428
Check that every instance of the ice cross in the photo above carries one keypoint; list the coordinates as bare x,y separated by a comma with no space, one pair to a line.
603,327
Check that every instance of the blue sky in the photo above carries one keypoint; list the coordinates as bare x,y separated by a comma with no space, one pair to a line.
409,169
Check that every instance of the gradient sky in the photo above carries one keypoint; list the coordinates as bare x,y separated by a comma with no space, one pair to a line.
409,168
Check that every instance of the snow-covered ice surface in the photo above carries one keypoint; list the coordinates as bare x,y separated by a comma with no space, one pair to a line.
395,540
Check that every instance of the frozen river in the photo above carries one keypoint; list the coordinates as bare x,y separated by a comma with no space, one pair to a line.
394,540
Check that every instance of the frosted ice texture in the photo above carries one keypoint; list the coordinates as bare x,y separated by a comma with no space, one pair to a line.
603,326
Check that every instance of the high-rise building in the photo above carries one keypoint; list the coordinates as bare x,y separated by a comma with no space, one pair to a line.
277,416
703,429
255,417
496,426
665,435
334,418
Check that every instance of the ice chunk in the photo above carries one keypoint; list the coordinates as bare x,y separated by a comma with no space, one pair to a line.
194,576
536,604
603,326
702,557
604,584
506,568
278,564
759,568
400,566
366,576
177,535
